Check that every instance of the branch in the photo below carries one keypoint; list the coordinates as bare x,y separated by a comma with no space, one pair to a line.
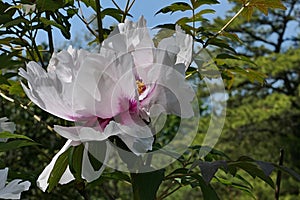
99,21
26,108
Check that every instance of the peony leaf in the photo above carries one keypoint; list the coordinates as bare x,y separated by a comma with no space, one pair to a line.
178,6
145,185
198,3
15,144
75,160
9,135
59,168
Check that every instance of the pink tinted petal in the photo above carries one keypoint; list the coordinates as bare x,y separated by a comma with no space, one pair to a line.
48,92
115,82
172,93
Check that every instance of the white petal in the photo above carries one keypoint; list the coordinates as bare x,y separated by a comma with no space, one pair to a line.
99,150
171,92
138,139
113,79
181,45
42,181
52,90
13,189
7,126
3,177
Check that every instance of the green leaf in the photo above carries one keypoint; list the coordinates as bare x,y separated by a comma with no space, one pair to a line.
264,5
196,18
75,161
145,185
16,21
58,169
3,80
15,144
9,135
224,56
16,89
288,171
253,169
166,26
208,169
90,3
220,43
178,6
198,3
50,5
207,190
233,36
105,176
114,13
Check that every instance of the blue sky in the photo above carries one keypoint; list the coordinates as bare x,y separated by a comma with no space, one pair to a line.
147,8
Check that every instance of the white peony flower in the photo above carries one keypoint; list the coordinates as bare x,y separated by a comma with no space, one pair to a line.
114,92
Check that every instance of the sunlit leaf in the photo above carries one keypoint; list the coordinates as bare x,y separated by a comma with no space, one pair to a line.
9,135
198,3
178,6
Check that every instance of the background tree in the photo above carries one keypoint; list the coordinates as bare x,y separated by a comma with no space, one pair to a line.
262,119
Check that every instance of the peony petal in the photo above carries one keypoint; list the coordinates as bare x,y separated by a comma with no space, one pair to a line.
13,189
181,45
6,126
113,79
3,177
53,90
47,92
171,93
42,181
99,150
138,139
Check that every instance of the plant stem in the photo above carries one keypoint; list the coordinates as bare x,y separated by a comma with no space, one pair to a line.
99,21
26,108
278,179
227,24
50,37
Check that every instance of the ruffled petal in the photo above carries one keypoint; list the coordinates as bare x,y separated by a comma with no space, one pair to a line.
133,38
181,45
113,79
14,188
171,93
49,91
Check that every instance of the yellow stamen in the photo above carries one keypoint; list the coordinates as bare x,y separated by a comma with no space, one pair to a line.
141,86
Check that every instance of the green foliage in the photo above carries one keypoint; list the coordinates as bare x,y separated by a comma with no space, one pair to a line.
58,169
145,185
